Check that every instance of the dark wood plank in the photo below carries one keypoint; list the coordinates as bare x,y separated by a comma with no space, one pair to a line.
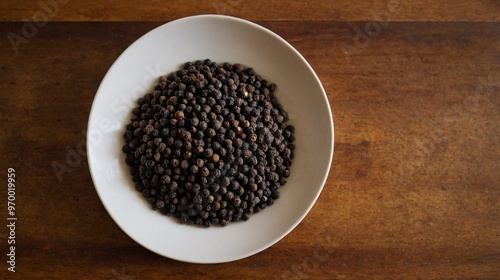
316,10
414,188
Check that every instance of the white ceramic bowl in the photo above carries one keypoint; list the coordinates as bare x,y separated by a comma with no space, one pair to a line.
165,49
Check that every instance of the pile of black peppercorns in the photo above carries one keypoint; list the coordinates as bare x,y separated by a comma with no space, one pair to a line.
210,145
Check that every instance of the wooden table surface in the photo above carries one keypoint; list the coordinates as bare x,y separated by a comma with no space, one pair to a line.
414,188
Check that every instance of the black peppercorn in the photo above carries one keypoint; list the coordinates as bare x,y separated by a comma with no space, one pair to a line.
194,169
208,152
204,172
210,134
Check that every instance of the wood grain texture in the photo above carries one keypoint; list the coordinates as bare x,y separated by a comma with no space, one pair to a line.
315,10
413,192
